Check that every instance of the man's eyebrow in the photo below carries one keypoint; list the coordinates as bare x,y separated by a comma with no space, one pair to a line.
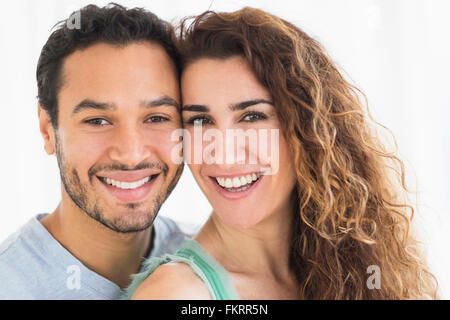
195,107
163,101
91,104
246,104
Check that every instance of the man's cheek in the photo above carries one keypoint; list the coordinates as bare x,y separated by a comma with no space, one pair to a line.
84,147
82,159
163,146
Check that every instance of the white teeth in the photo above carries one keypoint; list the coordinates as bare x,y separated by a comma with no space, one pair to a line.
237,182
126,185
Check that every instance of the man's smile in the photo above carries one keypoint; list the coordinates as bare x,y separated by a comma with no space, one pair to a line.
126,185
129,186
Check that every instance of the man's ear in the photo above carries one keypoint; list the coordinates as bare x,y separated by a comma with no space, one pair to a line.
46,128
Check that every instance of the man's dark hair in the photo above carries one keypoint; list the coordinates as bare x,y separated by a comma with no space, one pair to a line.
113,24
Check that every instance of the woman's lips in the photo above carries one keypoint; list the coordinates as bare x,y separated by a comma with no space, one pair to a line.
129,190
236,190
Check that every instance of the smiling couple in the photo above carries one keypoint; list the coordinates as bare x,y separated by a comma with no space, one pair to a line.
109,102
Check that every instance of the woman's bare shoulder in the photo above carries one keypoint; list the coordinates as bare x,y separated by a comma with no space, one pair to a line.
172,281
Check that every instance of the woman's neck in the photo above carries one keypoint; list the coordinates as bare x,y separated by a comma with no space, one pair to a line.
262,250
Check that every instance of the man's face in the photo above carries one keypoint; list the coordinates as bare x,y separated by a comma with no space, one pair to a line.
117,109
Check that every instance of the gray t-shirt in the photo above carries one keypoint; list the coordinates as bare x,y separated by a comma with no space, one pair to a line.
33,265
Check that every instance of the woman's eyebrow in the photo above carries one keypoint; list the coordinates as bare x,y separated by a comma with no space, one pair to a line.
195,107
245,104
234,107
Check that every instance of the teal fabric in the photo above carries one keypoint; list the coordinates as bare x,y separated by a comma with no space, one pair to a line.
213,275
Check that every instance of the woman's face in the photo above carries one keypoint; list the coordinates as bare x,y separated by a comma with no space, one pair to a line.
245,182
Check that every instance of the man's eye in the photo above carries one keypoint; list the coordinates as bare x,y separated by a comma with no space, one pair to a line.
254,116
157,119
199,120
97,122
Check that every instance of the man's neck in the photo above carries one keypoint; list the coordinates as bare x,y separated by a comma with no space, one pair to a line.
113,255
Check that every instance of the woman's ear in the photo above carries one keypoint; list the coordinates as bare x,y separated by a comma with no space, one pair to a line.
47,131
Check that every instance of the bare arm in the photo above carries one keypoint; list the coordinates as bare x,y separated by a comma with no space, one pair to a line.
172,281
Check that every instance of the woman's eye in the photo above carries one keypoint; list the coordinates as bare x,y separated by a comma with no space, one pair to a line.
157,119
97,122
199,121
254,116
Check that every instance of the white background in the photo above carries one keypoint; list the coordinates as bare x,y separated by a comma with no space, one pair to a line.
397,51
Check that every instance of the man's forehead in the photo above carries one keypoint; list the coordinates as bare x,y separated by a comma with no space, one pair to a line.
104,59
140,71
104,50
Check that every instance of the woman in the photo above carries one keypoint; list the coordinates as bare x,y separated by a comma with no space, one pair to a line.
333,212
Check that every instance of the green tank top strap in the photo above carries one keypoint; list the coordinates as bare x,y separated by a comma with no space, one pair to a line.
209,270
213,275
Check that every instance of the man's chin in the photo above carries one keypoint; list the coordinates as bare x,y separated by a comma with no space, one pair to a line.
126,221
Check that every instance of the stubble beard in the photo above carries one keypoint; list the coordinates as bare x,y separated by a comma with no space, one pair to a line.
135,220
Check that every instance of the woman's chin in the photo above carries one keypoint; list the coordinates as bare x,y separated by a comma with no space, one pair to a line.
243,219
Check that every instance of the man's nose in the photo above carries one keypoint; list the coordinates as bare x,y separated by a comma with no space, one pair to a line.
130,146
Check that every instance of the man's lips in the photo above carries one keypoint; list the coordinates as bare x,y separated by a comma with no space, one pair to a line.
128,186
128,176
129,191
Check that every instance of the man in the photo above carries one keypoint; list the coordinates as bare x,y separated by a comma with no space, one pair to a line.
108,103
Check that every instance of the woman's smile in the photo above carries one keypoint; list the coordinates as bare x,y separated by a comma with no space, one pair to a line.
236,186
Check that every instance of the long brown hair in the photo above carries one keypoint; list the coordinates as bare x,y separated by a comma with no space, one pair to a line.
350,210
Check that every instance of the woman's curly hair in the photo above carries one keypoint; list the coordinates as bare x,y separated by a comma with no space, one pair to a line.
351,207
